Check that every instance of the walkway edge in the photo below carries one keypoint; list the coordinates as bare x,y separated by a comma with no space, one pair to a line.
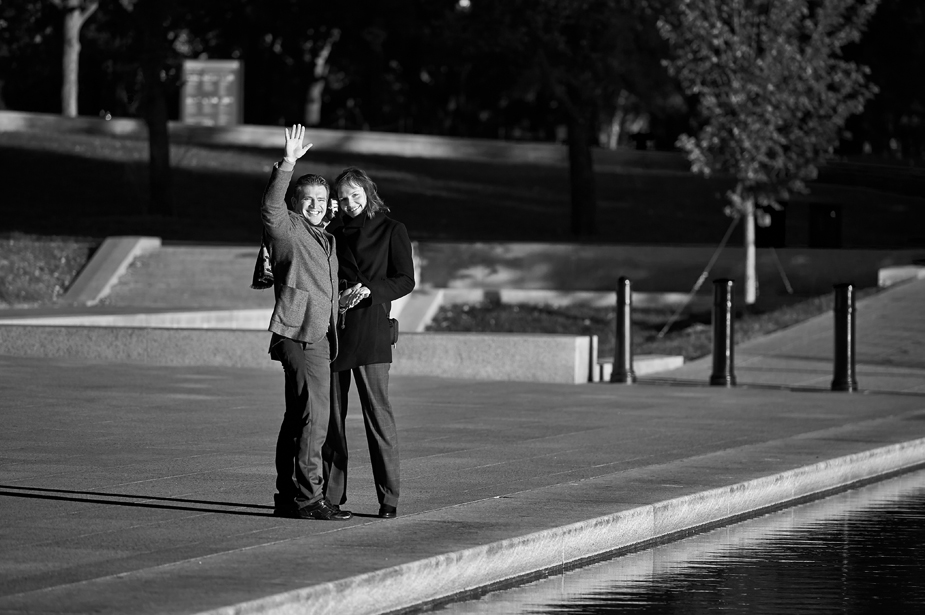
437,578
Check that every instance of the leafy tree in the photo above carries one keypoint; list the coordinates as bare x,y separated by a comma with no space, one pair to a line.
774,93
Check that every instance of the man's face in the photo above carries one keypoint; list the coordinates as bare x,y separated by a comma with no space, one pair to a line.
352,199
312,201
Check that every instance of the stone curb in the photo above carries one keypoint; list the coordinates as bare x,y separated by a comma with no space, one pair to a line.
441,577
106,266
643,365
888,276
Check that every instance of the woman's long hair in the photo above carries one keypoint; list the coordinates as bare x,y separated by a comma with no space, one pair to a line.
353,175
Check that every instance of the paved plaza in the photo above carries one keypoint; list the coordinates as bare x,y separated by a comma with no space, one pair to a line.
130,488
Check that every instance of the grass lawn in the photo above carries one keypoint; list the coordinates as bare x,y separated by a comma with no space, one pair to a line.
88,185
97,185
36,270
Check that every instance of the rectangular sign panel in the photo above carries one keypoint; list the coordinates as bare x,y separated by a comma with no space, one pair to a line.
212,92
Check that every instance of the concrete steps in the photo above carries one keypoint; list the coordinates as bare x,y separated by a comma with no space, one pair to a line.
192,277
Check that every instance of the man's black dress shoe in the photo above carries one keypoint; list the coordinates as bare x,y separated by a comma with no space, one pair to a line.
338,509
322,510
325,511
387,512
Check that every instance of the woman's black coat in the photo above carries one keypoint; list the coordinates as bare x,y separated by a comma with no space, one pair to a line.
375,252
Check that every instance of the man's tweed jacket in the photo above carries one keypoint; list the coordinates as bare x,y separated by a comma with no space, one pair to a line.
304,263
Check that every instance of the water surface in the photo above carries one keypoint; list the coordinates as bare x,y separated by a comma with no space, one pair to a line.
862,551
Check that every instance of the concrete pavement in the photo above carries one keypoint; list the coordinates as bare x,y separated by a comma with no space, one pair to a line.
148,489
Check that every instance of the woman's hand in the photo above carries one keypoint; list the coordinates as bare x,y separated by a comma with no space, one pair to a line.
294,149
352,296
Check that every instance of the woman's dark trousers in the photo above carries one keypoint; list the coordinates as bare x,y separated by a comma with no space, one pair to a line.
381,435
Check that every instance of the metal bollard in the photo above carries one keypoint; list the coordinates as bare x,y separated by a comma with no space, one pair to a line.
844,378
723,334
623,349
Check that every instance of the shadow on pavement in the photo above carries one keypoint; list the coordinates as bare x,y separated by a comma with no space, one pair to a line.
74,496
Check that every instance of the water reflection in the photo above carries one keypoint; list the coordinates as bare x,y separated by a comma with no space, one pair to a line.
858,552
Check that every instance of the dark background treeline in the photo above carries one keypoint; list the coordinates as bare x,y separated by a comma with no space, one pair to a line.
485,68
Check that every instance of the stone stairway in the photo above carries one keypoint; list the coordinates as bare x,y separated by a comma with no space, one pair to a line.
191,277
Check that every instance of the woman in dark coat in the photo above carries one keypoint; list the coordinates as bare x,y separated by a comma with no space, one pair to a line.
374,255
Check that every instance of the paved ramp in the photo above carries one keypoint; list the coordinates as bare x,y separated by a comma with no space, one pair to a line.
890,348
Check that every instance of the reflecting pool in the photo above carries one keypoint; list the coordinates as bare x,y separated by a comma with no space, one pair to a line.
862,551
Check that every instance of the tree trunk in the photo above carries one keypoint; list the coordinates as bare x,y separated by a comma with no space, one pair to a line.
71,58
616,121
581,175
319,80
159,172
74,18
151,15
313,106
751,273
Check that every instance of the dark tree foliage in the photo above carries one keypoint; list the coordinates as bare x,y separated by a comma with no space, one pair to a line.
31,45
577,55
893,122
278,42
509,69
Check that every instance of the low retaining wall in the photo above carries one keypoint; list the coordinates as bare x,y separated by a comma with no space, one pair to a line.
139,345
508,357
499,356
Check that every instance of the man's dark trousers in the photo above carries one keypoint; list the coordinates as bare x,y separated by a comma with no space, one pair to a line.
381,433
299,474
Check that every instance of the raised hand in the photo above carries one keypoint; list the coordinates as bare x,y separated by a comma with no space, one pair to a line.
294,148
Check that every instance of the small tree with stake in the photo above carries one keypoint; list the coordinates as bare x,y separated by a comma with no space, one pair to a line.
774,93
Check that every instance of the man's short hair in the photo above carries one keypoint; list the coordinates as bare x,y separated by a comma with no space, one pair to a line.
310,180
353,175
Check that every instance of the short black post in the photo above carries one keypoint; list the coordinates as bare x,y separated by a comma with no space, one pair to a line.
844,378
623,349
723,335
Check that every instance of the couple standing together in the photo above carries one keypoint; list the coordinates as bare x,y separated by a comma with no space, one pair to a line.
334,280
